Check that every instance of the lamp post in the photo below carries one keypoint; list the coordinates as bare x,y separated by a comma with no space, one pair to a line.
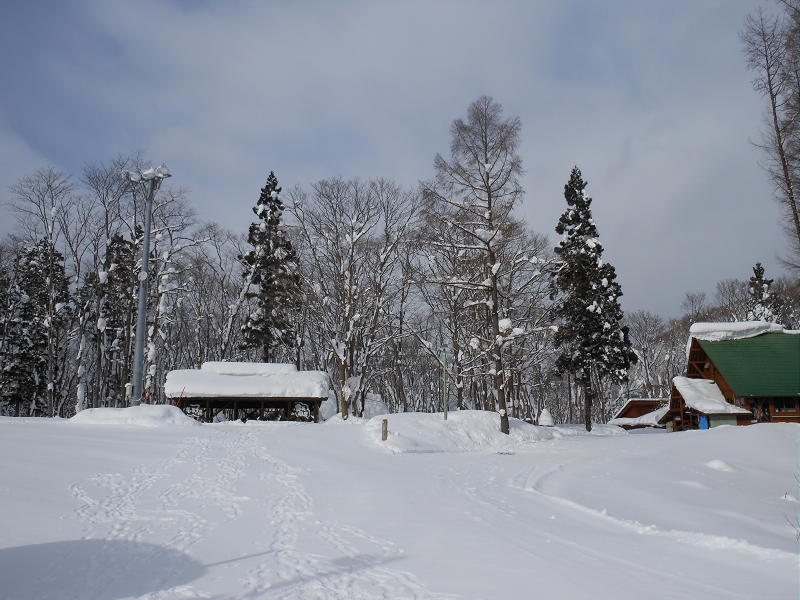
446,394
154,176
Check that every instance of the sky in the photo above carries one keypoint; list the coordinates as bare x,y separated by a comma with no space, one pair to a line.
651,100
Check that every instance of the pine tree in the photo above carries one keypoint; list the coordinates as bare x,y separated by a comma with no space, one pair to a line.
34,327
590,336
116,286
763,305
271,267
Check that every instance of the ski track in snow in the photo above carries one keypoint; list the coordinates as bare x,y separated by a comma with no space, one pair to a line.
531,481
151,504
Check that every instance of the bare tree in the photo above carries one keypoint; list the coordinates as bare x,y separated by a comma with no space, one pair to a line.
352,232
480,181
770,53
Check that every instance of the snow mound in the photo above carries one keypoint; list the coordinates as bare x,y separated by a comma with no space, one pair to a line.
463,431
143,415
718,332
468,431
597,430
719,465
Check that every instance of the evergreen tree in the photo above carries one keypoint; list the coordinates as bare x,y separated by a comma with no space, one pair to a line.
763,305
271,268
115,287
590,336
38,302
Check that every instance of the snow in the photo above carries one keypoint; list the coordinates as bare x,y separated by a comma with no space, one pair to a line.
465,431
704,396
717,332
143,415
194,383
248,368
504,325
301,511
545,418
650,419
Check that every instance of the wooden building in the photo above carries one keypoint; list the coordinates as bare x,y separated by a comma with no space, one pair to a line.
640,412
756,375
262,391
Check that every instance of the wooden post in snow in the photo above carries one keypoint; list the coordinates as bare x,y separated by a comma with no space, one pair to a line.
384,429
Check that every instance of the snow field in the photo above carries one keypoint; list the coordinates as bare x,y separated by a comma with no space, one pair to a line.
291,510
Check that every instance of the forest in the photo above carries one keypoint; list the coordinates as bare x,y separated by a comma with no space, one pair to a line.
411,294
422,297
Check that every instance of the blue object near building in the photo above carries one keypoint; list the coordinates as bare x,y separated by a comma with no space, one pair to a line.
703,422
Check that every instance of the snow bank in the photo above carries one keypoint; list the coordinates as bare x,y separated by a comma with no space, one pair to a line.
143,415
597,430
704,396
718,332
463,431
466,431
194,383
247,368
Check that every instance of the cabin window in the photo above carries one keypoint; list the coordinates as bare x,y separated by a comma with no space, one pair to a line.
785,405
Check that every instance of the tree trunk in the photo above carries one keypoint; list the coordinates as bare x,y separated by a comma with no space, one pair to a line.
588,397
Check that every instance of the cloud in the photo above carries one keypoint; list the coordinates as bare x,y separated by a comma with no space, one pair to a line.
652,102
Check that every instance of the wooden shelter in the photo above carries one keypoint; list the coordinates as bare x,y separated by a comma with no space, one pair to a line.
755,370
261,391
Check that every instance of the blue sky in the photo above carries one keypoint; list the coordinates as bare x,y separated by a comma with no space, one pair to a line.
650,99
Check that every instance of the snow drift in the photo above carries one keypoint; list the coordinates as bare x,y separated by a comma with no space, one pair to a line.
465,431
143,415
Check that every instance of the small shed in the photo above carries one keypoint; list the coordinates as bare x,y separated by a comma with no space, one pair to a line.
640,412
263,391
699,404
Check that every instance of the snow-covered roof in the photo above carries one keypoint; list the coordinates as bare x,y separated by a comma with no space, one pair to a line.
717,332
704,396
650,419
640,400
196,383
248,368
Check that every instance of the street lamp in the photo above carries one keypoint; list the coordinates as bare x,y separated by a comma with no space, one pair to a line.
446,391
154,175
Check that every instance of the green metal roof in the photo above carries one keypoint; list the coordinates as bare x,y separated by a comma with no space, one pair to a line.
765,365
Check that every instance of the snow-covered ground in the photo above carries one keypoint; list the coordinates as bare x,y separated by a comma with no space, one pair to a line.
102,507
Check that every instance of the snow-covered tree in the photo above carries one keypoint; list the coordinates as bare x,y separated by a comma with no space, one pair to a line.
271,271
762,303
352,236
477,189
590,335
115,286
35,331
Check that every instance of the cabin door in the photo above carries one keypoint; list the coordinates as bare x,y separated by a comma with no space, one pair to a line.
703,422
